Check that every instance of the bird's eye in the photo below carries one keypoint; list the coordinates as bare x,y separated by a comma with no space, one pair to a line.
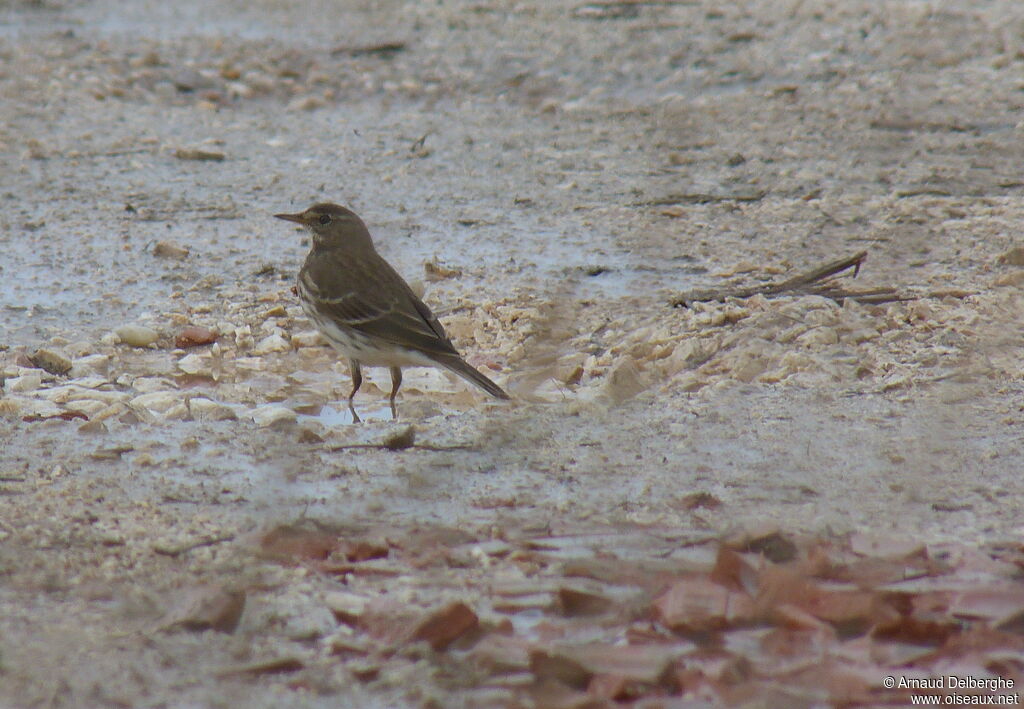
325,218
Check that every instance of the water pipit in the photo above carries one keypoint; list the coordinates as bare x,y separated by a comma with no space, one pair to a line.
365,309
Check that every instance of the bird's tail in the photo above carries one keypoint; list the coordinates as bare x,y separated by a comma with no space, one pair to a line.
459,366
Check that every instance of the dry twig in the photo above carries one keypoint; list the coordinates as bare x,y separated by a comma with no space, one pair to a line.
818,281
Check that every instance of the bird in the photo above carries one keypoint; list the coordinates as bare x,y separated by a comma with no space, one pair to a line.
365,309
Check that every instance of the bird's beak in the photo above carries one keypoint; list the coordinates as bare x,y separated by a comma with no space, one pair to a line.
297,218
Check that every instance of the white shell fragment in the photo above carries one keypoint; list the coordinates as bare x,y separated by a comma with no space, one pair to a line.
157,402
136,335
272,343
272,415
24,383
310,338
195,364
203,409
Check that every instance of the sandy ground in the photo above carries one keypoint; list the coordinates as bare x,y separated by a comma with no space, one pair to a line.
570,168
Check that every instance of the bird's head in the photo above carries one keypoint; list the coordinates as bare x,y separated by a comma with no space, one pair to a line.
331,225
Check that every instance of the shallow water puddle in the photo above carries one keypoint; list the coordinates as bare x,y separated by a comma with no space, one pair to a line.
342,416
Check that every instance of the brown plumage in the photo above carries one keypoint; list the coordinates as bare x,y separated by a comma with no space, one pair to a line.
365,309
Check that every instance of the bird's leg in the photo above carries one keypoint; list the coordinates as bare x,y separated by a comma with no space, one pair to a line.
356,375
396,381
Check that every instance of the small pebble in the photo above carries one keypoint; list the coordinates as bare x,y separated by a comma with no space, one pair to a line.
136,335
52,362
167,249
400,440
146,385
196,154
195,364
624,381
311,338
27,382
1014,278
93,427
178,412
1013,257
272,343
195,336
156,402
271,415
306,103
90,364
203,409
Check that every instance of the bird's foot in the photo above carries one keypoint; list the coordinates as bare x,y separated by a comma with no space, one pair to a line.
352,410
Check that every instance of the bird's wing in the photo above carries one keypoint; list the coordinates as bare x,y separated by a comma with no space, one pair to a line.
372,298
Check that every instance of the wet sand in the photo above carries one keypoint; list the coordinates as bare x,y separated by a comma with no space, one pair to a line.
566,171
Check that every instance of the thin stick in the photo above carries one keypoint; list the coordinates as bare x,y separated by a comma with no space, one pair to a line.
178,551
823,281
